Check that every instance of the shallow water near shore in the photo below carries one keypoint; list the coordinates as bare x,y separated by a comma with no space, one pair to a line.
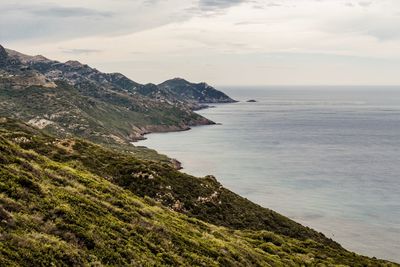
327,157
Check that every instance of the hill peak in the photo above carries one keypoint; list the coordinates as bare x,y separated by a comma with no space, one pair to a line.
178,79
2,48
3,54
195,92
26,59
75,63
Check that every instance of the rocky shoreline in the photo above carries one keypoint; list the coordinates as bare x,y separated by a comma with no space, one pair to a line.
140,132
140,135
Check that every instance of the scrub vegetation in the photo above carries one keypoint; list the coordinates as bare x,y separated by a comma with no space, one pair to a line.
64,202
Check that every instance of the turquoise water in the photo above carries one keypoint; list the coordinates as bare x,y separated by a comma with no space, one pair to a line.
327,157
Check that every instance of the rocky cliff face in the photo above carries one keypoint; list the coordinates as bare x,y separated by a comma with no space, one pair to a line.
3,56
17,75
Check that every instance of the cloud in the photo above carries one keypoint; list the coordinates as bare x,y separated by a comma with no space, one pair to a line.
65,12
380,28
77,51
273,4
66,20
209,5
152,40
55,22
364,3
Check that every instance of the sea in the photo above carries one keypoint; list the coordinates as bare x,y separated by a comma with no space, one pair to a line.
325,156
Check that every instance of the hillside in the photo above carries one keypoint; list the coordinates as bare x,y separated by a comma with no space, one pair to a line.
73,99
63,204
194,92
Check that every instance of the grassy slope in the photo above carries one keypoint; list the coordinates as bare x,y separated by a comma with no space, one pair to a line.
62,211
203,198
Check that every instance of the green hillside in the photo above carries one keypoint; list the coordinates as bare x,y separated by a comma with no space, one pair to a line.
73,99
63,204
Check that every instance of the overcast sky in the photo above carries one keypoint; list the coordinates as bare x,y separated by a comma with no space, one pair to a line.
222,42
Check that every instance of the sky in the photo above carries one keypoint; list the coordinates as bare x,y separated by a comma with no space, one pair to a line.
221,42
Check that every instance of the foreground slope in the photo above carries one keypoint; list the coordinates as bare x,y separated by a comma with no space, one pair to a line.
55,210
203,198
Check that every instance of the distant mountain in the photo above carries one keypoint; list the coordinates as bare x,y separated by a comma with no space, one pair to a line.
72,98
194,92
75,73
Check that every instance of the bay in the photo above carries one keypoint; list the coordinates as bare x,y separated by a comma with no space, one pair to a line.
327,157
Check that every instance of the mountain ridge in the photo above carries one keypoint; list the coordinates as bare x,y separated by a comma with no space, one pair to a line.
50,68
115,107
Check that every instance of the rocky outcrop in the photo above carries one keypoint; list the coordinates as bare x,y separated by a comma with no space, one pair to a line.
3,56
18,75
139,133
176,164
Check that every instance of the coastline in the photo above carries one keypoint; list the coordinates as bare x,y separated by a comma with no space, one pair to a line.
147,130
141,132
354,247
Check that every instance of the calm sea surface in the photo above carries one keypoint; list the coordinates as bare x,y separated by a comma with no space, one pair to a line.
327,157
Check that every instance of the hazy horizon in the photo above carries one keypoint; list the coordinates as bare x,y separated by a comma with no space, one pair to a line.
222,42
